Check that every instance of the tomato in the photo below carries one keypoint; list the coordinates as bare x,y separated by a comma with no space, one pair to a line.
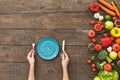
94,69
92,22
105,35
91,33
107,67
114,18
98,47
93,40
93,65
99,22
89,61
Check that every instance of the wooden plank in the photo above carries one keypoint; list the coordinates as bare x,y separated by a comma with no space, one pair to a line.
19,53
36,6
26,37
43,71
45,21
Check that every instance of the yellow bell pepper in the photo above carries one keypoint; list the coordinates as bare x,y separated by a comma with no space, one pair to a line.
115,32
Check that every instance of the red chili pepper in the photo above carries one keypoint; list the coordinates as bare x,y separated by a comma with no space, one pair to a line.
94,7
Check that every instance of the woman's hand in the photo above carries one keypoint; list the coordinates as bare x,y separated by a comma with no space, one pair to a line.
65,60
30,57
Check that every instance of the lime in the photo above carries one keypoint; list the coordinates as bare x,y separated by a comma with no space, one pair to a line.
107,17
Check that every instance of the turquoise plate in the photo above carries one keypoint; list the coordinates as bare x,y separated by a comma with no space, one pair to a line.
47,48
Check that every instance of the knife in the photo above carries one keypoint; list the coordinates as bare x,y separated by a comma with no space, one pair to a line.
63,46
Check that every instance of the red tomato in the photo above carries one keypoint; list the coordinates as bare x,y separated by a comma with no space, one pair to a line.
94,69
93,65
93,40
92,22
114,18
89,61
107,67
99,22
105,35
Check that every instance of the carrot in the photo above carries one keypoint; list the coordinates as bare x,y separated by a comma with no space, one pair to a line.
107,10
116,9
106,4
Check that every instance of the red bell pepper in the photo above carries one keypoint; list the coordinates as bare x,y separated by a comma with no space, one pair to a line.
94,7
106,41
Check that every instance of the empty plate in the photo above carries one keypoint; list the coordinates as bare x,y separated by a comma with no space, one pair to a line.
47,48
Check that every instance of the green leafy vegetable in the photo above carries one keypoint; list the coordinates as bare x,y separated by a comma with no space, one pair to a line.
104,75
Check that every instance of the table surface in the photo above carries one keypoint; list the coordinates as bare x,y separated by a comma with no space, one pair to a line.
23,22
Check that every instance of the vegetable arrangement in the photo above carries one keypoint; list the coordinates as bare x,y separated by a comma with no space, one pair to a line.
105,40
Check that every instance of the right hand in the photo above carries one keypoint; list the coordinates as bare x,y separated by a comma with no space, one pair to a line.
65,59
30,57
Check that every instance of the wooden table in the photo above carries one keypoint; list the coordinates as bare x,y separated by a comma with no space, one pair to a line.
25,21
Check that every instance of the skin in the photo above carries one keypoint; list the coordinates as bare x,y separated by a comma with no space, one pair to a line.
31,60
64,62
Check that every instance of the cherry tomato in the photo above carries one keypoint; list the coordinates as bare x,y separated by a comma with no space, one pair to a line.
99,22
94,69
93,65
93,40
114,18
92,22
89,61
105,35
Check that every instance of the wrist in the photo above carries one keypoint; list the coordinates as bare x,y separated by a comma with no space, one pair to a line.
31,65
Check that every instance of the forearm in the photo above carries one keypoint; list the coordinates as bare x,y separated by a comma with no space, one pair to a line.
31,73
65,74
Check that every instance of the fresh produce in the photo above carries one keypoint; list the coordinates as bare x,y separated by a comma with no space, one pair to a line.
102,54
107,10
94,7
96,15
96,78
119,54
116,47
116,9
117,41
100,65
106,4
107,67
109,25
93,40
98,47
115,32
113,55
116,67
91,33
118,5
105,41
93,65
108,59
92,22
107,17
105,44
117,22
97,27
89,61
105,75
114,18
